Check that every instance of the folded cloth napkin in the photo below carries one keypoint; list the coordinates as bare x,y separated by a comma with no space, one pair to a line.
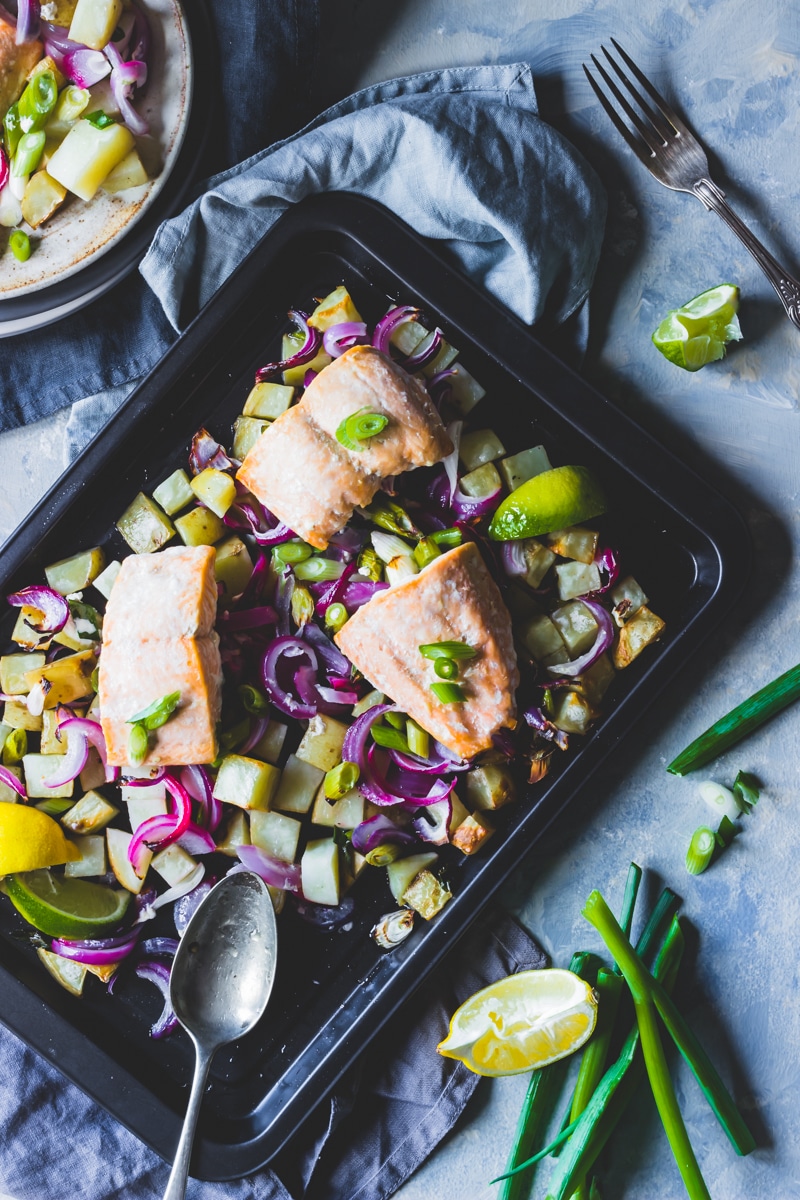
382,1121
461,155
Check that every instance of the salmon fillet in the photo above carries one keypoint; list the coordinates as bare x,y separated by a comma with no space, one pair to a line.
454,599
158,638
16,63
309,480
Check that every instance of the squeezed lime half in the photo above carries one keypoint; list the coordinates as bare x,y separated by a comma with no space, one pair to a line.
698,332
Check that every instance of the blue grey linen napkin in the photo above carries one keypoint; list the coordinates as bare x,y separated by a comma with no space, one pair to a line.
381,1123
461,155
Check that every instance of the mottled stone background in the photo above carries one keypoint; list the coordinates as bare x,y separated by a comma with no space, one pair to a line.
732,68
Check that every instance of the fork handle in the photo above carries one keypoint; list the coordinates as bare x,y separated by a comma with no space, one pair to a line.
787,287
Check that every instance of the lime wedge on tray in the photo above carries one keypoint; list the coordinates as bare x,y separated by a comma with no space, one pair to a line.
554,499
64,906
697,332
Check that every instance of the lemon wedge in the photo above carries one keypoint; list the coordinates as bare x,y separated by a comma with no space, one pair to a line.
522,1022
29,839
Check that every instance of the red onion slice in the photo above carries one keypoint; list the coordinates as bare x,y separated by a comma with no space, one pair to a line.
382,336
158,973
246,618
326,594
148,910
433,822
207,452
187,904
338,338
377,830
605,636
4,168
73,762
85,67
258,727
421,358
290,647
438,385
10,780
330,654
161,831
96,952
149,781
360,591
514,561
336,695
197,782
545,728
93,732
195,840
52,605
277,874
606,561
475,508
29,15
309,349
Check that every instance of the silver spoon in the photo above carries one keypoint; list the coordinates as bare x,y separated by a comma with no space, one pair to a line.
220,983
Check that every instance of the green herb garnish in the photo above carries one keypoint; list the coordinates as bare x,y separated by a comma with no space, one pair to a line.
449,693
146,721
359,428
455,650
341,780
99,119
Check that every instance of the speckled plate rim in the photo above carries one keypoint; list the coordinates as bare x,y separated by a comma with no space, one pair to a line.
111,218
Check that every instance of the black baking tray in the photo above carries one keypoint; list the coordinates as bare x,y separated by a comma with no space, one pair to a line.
684,542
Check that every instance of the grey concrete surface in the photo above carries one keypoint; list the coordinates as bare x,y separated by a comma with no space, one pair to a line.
732,68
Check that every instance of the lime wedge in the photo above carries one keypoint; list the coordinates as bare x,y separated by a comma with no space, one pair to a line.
697,332
555,499
66,907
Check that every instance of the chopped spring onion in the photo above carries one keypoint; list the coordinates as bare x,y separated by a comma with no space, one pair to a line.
341,780
336,616
15,747
359,428
99,119
426,551
701,850
318,570
302,606
719,799
419,740
157,713
388,547
13,129
291,552
37,101
396,719
137,745
448,693
369,565
390,739
740,721
253,701
745,789
726,832
436,650
447,537
71,103
446,668
389,515
20,245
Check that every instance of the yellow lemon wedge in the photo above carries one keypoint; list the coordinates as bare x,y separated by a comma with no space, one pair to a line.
29,839
522,1022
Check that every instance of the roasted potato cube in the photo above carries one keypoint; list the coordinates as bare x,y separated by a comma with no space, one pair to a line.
541,638
294,377
572,712
144,526
595,682
268,401
66,679
246,782
91,814
271,744
27,637
174,493
42,197
465,391
7,794
88,155
538,561
444,358
576,543
51,743
576,625
117,843
519,468
337,307
233,566
339,814
200,527
298,786
94,21
489,787
427,895
128,173
458,813
402,872
576,579
246,432
628,598
38,769
14,669
319,868
74,574
215,489
642,629
481,446
92,859
275,834
173,864
106,579
484,481
17,717
472,833
322,742
237,833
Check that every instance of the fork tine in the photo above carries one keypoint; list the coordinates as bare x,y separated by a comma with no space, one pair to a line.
659,101
662,128
637,146
650,136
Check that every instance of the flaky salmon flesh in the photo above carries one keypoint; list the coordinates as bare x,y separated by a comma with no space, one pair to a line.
158,638
454,599
308,479
16,63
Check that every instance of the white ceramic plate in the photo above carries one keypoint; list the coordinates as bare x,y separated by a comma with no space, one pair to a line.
80,232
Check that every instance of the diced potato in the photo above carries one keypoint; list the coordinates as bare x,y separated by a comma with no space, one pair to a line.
215,489
472,833
489,787
117,843
7,794
577,627
576,579
538,561
322,742
173,864
237,833
246,782
595,682
290,344
106,579
74,574
541,637
93,774
91,814
70,974
367,702
233,566
92,859
246,432
342,814
88,155
337,307
174,493
275,834
41,198
319,869
408,335
271,744
443,359
24,635
577,543
465,391
481,446
143,803
268,400
200,527
38,769
14,669
642,629
17,717
572,712
298,786
484,481
628,598
519,468
403,871
51,743
129,173
93,23
66,679
427,895
144,526
458,813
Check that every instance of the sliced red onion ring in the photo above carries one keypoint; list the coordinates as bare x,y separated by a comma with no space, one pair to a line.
606,561
377,830
52,605
189,884
425,766
355,748
140,35
207,452
283,601
275,873
514,561
73,762
197,783
258,727
4,168
546,729
503,740
605,636
96,952
85,67
325,916
29,15
474,508
309,378
388,323
360,591
10,780
450,463
288,647
326,594
336,695
330,654
309,349
421,358
438,385
160,945
158,973
195,840
350,541
186,905
433,822
338,338
403,788
245,516
56,40
309,691
161,831
92,731
124,79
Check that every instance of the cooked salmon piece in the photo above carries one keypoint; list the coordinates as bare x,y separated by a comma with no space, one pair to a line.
454,599
16,63
303,475
158,638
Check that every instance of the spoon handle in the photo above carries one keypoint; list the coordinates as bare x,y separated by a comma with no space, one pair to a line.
176,1188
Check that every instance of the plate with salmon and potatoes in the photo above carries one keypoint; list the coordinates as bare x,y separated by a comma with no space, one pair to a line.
355,598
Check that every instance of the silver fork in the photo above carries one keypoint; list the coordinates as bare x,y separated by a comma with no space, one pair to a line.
674,156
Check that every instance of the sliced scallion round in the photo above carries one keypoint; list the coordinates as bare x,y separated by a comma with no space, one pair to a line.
318,570
341,780
454,650
336,616
20,244
359,428
449,693
701,850
446,668
290,553
719,799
